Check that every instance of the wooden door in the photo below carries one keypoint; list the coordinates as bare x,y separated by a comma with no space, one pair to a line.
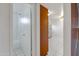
43,30
74,28
74,15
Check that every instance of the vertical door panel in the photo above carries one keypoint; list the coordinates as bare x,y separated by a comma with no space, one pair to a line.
74,28
74,15
43,30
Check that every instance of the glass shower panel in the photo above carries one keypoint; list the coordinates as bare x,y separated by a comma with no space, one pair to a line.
22,29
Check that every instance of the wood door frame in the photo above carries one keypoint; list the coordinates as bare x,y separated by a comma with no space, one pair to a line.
43,37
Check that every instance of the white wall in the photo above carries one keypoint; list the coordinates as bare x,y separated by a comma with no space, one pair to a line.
37,28
67,29
4,29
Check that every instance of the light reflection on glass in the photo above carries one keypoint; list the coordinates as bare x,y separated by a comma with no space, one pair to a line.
25,20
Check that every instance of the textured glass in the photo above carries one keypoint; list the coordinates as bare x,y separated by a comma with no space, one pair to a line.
21,29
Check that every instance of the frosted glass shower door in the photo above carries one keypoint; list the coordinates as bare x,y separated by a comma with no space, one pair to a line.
22,29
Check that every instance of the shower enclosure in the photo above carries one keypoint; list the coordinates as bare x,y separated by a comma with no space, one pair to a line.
21,33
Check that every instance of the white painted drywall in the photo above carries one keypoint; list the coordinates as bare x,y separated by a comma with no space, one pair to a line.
35,29
67,29
37,16
4,29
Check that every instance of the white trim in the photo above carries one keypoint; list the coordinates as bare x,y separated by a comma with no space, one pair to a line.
11,29
67,29
38,28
